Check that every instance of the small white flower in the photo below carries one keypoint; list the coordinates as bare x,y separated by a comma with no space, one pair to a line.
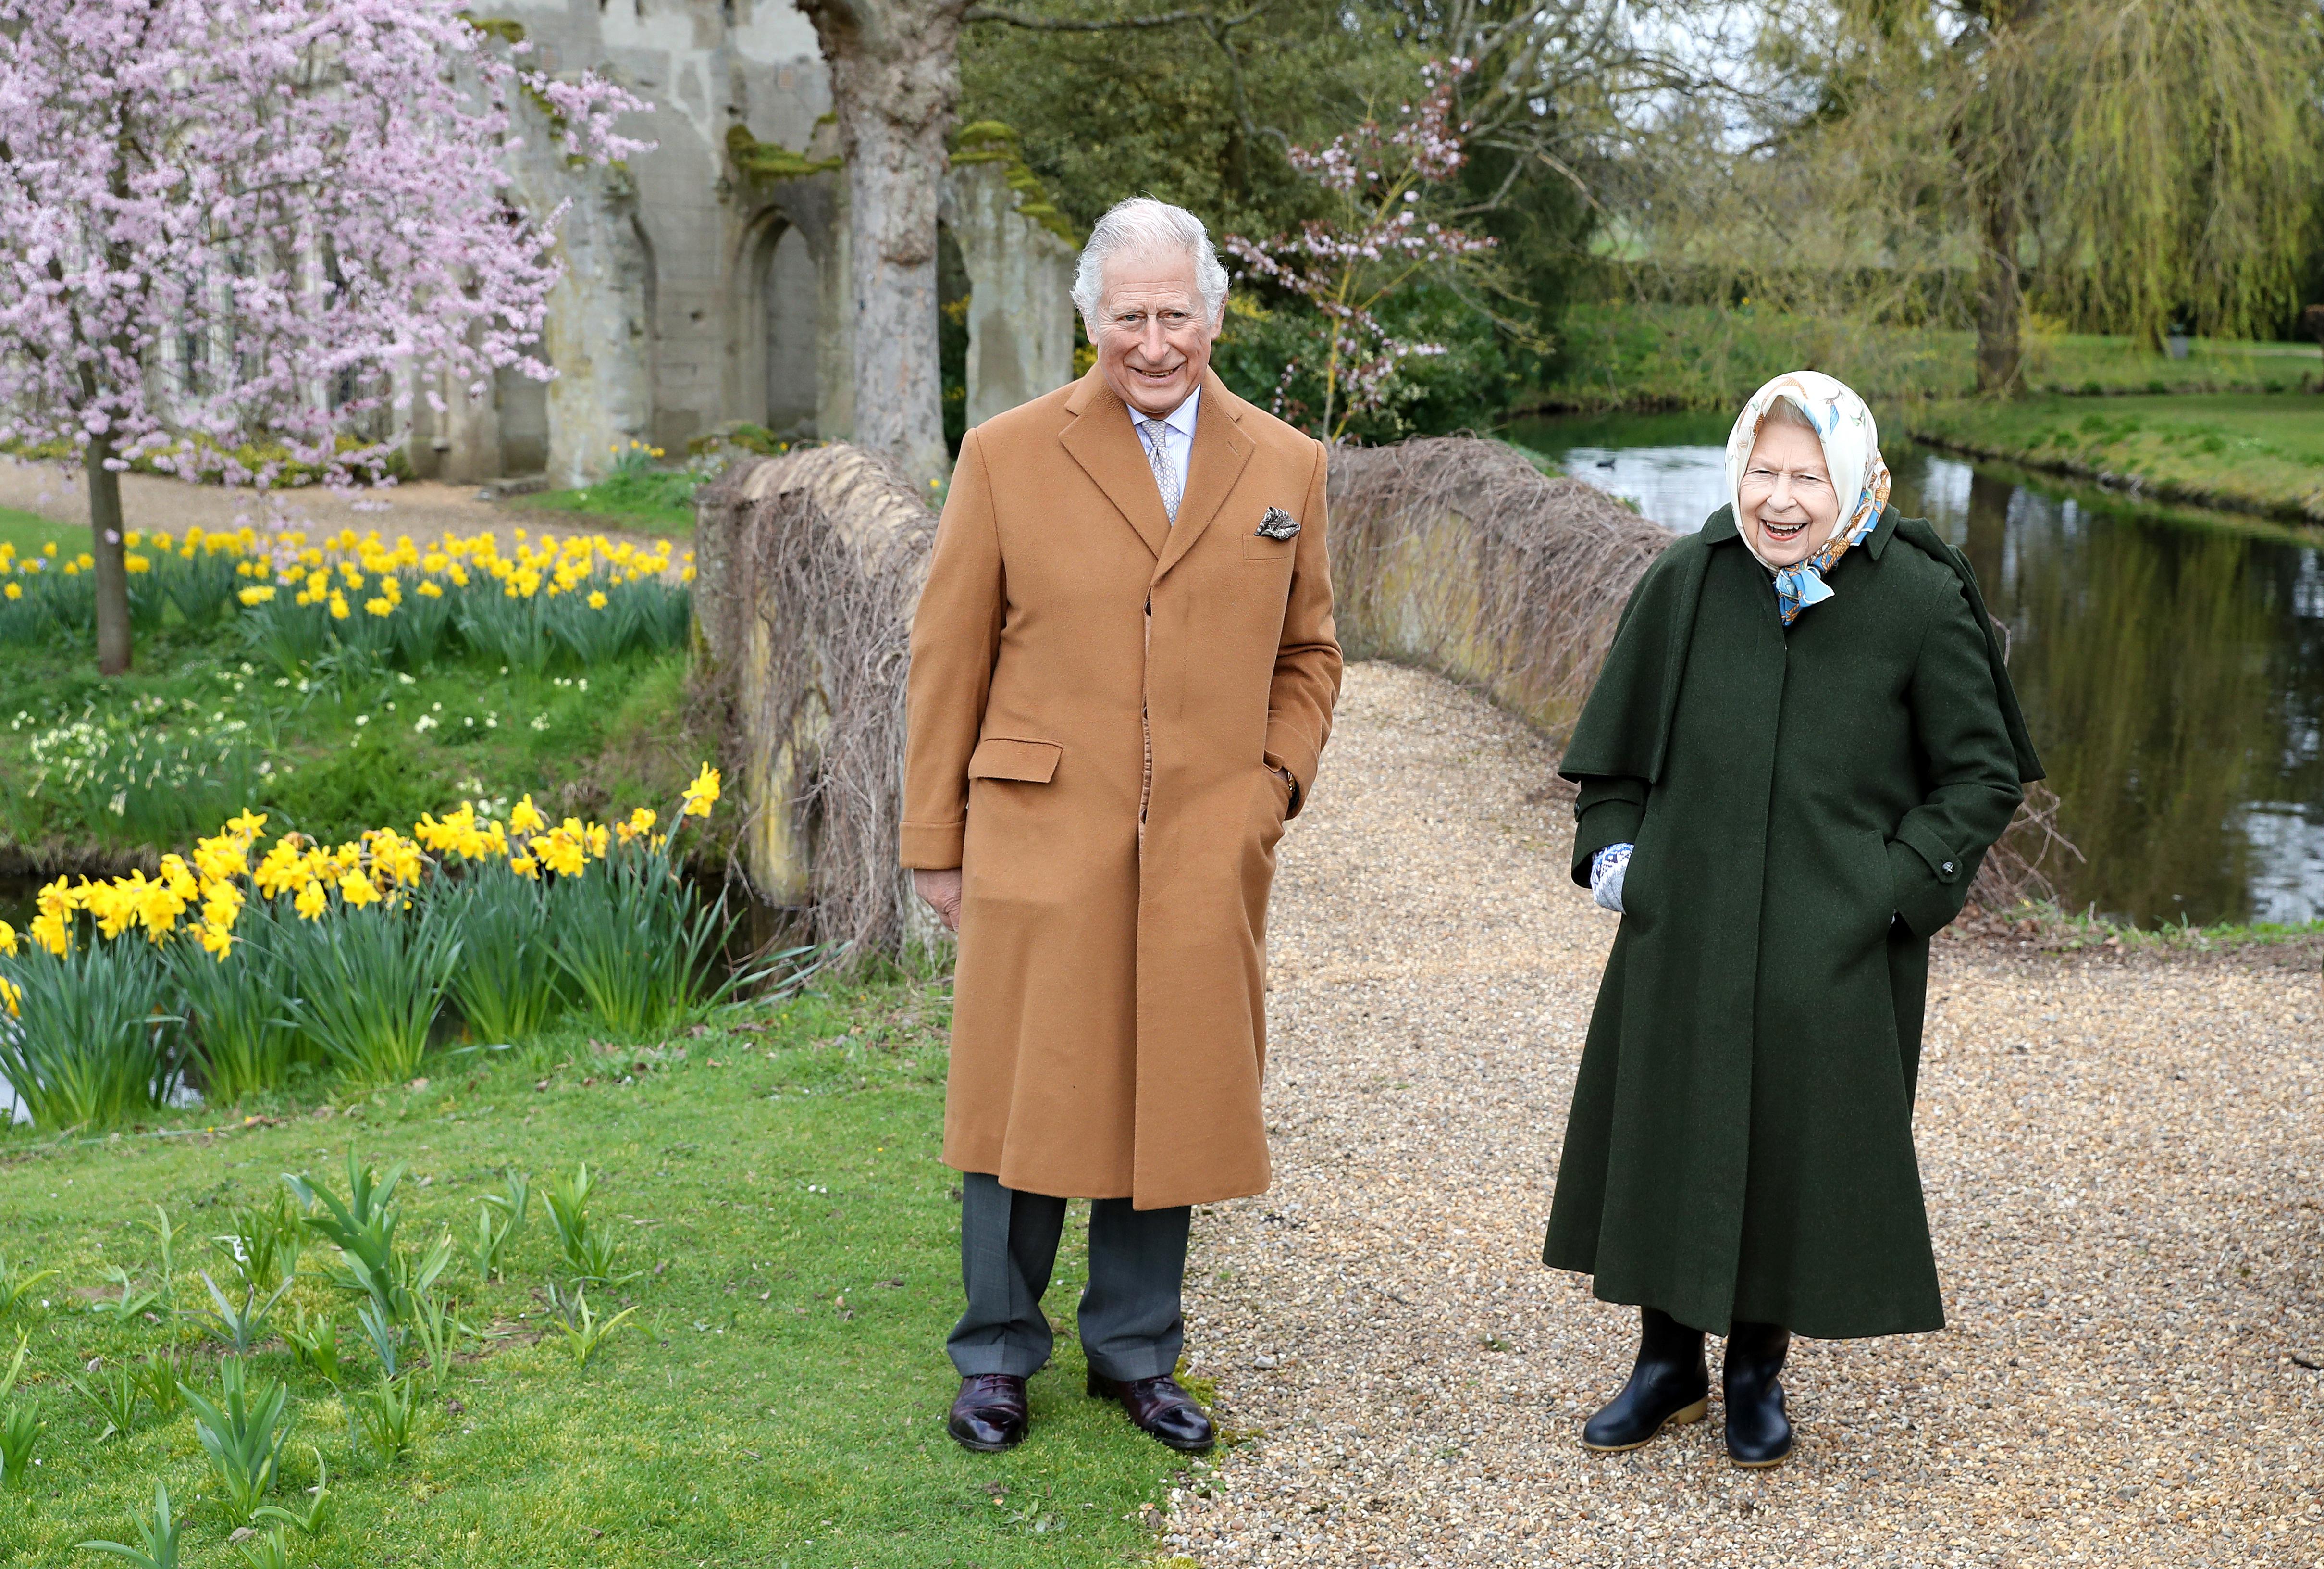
363,719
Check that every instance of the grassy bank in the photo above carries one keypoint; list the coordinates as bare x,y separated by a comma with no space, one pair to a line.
1682,357
326,760
430,678
2055,929
608,507
2251,453
777,1398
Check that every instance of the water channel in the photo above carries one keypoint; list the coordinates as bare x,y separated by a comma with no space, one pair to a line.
2171,662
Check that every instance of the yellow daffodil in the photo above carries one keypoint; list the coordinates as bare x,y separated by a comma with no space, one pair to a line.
597,599
357,890
702,793
8,995
640,822
560,852
51,932
339,608
258,594
526,819
378,607
282,869
7,939
216,940
309,902
60,899
13,590
524,866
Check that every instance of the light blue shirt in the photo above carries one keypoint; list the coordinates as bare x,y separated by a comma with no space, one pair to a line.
1177,435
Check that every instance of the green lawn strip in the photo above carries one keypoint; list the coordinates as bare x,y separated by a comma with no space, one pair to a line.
589,741
660,502
2049,927
2252,452
778,1400
1638,356
28,531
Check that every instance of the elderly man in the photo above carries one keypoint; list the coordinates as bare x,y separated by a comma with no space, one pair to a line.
1123,669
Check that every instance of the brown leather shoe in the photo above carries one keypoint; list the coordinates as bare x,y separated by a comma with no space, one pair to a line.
1162,1411
989,1414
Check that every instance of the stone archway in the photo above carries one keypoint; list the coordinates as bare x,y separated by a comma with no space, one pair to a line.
776,311
784,278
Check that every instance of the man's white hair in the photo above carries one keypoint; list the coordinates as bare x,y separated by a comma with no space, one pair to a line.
1145,226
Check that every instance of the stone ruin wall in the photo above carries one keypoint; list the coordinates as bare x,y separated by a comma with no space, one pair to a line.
698,296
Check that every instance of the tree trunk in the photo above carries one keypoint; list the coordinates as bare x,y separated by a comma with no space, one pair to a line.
104,530
894,77
2001,297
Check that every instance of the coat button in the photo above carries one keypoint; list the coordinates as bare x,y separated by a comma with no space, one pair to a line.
1949,866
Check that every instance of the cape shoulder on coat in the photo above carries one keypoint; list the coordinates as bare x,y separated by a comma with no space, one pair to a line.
1624,732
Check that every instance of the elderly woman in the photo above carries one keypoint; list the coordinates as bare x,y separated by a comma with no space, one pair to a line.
1802,745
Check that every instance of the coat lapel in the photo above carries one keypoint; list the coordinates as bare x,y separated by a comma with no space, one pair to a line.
1220,450
1102,442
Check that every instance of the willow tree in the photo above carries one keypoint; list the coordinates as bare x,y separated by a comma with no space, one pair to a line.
2129,165
2173,171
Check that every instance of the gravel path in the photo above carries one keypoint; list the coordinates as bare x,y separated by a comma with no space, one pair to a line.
422,509
2124,1177
151,501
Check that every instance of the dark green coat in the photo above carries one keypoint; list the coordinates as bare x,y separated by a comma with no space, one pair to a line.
1809,805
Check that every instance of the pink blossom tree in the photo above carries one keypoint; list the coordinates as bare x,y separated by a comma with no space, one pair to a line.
246,224
1385,180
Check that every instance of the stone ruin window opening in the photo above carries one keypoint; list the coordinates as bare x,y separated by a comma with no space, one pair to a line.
784,284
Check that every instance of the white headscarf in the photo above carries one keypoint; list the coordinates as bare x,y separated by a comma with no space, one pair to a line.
1851,450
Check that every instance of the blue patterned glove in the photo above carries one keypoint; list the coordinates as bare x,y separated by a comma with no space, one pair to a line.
1607,869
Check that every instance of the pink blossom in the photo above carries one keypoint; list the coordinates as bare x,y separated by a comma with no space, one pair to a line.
324,185
1345,266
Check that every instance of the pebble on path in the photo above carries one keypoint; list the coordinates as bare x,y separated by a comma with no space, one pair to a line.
2124,1180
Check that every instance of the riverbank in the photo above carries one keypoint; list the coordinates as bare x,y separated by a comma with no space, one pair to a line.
2237,452
1645,358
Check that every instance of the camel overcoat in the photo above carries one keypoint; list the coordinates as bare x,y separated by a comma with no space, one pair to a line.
1808,806
1096,703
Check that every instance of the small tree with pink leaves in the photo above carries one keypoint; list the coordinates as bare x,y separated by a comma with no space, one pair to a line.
1385,180
258,225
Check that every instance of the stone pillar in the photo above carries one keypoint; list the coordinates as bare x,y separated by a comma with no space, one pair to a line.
1020,274
599,334
466,436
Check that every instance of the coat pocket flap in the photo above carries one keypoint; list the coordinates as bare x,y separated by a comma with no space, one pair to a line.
997,757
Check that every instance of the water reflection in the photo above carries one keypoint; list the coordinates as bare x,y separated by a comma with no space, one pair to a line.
2173,675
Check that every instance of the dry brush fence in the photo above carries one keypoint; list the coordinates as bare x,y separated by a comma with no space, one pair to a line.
808,568
1451,553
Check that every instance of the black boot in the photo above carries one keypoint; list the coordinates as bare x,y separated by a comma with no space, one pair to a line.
1670,1383
1758,1433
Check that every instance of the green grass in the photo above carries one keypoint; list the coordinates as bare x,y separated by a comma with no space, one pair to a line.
2056,929
779,1399
2251,452
590,742
28,532
653,502
1663,357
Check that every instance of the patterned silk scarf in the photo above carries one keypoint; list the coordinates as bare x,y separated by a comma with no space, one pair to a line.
1851,449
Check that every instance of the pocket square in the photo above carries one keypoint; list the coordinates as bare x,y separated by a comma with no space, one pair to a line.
1278,524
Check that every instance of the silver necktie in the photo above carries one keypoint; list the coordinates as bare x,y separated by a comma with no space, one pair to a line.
1157,434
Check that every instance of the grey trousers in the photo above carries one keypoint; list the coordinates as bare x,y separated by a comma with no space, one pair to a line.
1132,1326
